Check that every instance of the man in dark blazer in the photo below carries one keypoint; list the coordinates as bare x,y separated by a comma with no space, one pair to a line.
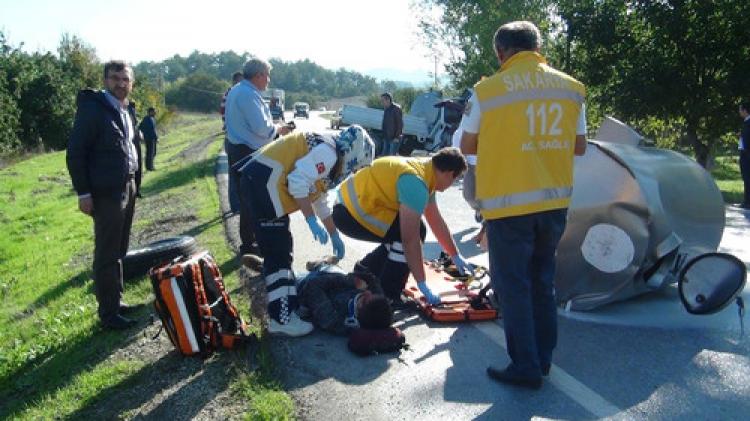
744,147
103,160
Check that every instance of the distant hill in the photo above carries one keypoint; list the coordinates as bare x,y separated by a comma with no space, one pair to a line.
302,77
402,78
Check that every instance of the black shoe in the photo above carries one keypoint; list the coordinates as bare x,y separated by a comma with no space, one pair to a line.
252,261
505,376
119,322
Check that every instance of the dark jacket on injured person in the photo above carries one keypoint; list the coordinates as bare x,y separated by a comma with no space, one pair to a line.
329,296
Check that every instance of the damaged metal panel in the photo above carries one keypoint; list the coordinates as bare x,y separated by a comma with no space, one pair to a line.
637,214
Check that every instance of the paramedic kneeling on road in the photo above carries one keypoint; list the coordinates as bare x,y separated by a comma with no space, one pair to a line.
525,123
293,173
384,204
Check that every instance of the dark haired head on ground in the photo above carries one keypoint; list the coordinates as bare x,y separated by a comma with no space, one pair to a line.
517,36
116,66
450,160
375,312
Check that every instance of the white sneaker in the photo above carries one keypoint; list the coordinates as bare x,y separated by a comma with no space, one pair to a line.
295,327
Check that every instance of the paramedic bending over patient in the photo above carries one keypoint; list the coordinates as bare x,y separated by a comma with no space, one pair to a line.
384,204
290,174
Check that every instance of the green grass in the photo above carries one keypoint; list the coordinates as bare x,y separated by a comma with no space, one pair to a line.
55,361
726,173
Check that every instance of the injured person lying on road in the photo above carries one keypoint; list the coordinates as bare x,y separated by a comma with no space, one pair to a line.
340,302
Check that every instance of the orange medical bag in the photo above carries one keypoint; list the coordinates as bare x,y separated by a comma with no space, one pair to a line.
194,306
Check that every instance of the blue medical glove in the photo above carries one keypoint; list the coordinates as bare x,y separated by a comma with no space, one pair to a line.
428,295
319,233
464,267
338,245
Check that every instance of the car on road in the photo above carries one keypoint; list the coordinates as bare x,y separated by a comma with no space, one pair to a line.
336,122
301,109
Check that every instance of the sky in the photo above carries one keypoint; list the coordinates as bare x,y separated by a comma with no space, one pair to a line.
360,35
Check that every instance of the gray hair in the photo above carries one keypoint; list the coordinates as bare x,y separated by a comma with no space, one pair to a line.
255,66
520,35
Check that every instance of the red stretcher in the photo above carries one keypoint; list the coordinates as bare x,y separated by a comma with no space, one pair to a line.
463,298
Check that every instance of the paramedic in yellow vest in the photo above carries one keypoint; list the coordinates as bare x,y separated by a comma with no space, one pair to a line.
525,123
384,204
290,174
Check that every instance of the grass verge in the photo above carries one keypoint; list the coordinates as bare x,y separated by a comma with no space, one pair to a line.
726,173
55,361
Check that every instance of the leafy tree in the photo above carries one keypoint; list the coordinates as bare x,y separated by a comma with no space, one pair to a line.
466,29
9,118
683,61
197,92
80,62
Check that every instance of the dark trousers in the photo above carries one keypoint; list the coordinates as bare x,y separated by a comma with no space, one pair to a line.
247,237
522,269
150,153
745,171
234,154
387,261
275,242
113,217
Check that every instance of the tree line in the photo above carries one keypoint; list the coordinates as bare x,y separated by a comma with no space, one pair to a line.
38,90
674,69
197,81
38,93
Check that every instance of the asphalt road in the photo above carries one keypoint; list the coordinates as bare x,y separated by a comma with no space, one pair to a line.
644,359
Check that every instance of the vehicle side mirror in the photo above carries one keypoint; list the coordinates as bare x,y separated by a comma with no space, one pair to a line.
709,282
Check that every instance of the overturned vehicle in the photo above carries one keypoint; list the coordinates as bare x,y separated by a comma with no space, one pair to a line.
642,219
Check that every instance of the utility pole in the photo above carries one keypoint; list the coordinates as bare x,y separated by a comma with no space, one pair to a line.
435,74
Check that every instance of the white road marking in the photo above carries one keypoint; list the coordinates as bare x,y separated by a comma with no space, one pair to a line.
566,383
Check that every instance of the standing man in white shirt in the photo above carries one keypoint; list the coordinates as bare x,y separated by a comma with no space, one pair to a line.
249,126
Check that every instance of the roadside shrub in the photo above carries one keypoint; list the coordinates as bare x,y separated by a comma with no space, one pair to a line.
198,92
10,115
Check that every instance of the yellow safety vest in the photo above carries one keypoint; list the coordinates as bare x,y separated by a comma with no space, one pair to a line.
280,156
370,195
529,115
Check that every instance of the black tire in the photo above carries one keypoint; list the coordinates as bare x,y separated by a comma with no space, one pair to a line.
137,262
